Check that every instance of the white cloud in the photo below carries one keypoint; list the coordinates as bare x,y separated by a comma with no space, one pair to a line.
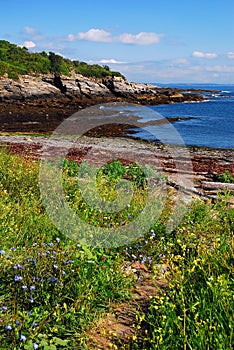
97,35
30,30
230,54
199,54
101,35
142,38
29,44
110,61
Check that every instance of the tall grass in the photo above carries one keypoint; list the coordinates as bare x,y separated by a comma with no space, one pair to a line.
53,290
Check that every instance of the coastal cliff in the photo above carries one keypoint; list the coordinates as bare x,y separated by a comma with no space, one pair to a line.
76,86
39,103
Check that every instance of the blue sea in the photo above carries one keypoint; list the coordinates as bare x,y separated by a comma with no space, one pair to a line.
208,123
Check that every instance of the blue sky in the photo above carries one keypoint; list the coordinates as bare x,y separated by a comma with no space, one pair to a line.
146,40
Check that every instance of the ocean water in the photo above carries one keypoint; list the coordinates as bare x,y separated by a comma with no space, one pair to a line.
209,123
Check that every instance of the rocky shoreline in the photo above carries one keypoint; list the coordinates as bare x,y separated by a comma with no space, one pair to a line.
40,104
181,165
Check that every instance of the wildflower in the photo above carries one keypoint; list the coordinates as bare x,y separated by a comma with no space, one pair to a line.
53,279
55,267
22,338
35,346
17,323
13,249
2,252
18,266
34,324
32,287
33,263
150,260
63,272
66,262
8,257
18,278
29,313
134,256
31,299
8,328
24,287
51,244
103,266
57,239
4,308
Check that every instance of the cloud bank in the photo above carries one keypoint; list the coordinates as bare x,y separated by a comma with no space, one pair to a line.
199,54
101,35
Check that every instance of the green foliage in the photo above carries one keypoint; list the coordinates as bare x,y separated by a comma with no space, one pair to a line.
226,176
196,309
52,289
15,61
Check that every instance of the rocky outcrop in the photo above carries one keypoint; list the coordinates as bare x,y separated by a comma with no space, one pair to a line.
27,87
78,86
39,104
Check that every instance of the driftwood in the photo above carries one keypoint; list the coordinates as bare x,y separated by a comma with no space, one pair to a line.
207,185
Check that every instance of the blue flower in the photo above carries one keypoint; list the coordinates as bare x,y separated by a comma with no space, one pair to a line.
4,308
29,313
17,322
24,287
8,328
53,279
34,324
13,248
18,278
2,252
33,263
35,346
22,338
32,287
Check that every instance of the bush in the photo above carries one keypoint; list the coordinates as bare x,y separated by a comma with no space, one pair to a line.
16,60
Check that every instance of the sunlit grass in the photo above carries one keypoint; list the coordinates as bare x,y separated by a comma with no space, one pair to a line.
52,289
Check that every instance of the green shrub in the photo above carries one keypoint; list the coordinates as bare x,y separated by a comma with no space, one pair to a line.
226,176
15,60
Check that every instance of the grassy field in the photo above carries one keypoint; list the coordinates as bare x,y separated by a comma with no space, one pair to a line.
53,290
